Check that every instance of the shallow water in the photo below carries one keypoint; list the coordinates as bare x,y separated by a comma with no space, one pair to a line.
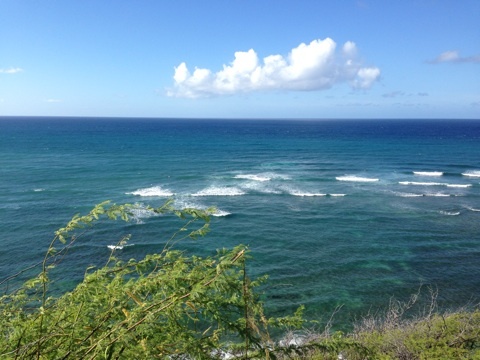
336,212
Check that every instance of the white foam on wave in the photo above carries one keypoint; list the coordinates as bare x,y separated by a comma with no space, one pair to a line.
262,177
154,191
354,178
118,247
473,209
305,194
253,177
276,176
262,187
181,204
450,213
411,195
39,190
221,213
428,173
294,191
416,183
220,191
474,173
140,212
408,195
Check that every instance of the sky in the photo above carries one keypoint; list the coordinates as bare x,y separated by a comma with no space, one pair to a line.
240,58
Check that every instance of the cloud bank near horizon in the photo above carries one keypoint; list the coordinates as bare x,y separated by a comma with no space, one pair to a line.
308,67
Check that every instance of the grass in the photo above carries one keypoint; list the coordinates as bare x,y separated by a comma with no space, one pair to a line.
405,331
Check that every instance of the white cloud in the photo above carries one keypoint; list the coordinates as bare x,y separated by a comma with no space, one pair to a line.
366,77
308,67
448,56
453,56
11,70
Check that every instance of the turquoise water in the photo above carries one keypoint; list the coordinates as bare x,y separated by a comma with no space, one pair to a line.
344,212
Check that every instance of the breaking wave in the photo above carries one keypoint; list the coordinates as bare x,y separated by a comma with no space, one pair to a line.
354,178
474,173
253,177
415,183
312,194
428,173
221,213
408,195
411,195
305,194
261,187
450,213
220,191
154,191
421,183
182,204
118,247
438,195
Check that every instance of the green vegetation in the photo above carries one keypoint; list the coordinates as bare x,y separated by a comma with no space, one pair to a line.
170,305
166,304
398,335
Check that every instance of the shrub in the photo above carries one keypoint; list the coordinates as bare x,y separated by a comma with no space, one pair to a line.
164,305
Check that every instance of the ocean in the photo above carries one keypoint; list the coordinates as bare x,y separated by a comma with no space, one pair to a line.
338,213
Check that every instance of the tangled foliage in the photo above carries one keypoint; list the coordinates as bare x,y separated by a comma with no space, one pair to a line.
164,305
170,305
407,330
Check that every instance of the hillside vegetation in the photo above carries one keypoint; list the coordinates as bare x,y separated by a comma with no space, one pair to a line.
172,305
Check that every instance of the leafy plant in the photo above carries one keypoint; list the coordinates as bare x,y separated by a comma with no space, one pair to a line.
164,305
178,306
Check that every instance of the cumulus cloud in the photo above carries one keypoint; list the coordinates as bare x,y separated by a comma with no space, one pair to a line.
11,70
453,56
308,67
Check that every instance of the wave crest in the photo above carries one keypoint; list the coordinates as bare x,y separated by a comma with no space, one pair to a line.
421,183
416,183
221,213
473,173
450,213
220,191
154,191
253,177
354,178
428,173
305,194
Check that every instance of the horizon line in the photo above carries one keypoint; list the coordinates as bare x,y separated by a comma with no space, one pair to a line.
90,117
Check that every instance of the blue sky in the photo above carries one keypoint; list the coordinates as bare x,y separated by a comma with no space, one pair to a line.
235,59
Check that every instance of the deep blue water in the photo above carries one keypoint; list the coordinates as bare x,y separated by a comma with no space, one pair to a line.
339,212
